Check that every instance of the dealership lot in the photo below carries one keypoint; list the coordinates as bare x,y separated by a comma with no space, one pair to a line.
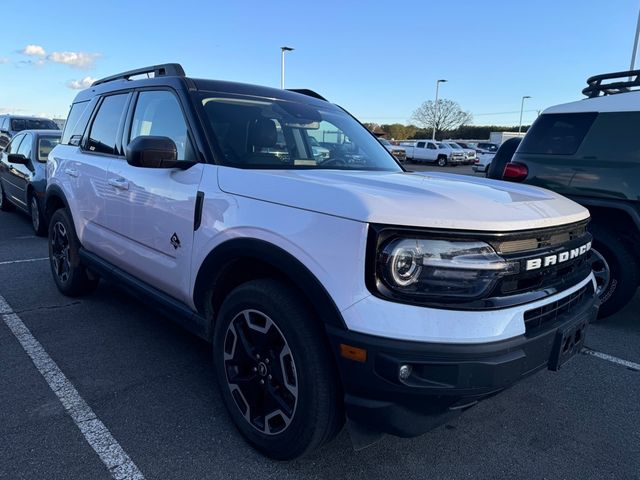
151,385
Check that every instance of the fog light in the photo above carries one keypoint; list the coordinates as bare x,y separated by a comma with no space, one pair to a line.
404,372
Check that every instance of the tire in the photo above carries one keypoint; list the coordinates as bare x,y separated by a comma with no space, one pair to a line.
623,270
442,161
37,220
265,332
69,274
5,206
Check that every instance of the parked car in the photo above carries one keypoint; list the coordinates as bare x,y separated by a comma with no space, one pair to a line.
23,176
470,153
482,162
319,152
345,287
12,124
430,151
398,152
505,153
589,151
486,147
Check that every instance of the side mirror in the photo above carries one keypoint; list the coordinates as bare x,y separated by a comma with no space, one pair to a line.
154,152
17,158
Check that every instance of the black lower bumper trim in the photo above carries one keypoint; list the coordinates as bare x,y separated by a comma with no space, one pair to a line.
445,378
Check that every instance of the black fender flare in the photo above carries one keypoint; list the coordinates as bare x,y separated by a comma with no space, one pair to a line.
293,269
53,192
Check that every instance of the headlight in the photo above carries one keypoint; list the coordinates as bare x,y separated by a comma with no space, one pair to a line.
439,270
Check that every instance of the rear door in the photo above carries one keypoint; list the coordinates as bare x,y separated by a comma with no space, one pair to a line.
419,152
151,211
85,170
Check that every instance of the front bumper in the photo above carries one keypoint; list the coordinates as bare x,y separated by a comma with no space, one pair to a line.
445,378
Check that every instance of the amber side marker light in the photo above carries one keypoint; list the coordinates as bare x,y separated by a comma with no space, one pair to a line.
353,353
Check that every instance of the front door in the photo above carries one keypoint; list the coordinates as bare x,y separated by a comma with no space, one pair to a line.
151,210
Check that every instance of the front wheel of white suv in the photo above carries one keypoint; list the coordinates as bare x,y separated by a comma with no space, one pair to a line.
275,373
70,275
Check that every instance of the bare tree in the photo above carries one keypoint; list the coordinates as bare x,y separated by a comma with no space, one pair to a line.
450,115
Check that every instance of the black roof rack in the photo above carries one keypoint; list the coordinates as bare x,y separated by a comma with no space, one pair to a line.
596,87
167,69
308,93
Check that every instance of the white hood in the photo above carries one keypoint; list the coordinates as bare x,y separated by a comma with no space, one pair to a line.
436,200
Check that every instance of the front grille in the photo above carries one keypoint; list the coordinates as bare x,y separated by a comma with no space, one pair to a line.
537,319
549,237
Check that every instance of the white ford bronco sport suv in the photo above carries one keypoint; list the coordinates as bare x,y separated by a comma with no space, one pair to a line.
331,288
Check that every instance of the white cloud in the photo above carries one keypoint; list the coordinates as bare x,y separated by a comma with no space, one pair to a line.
4,60
33,51
81,84
74,59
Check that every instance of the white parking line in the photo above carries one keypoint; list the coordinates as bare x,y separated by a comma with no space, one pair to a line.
611,358
9,262
95,432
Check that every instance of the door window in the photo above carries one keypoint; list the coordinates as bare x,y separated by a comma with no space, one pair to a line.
15,144
158,113
25,146
420,145
104,131
431,146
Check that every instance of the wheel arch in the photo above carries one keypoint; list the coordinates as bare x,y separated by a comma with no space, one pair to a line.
54,199
239,260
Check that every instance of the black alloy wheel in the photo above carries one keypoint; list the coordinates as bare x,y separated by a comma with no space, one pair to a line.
261,372
60,262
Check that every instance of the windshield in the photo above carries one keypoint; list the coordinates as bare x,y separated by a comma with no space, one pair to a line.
279,134
19,124
442,146
455,146
384,142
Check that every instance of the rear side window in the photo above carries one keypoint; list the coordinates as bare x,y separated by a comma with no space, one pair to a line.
104,131
614,136
557,133
420,145
19,124
45,145
76,123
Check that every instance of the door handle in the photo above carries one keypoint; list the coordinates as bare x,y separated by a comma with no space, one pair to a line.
119,183
72,172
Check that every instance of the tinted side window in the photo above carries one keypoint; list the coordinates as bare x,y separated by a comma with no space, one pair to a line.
431,146
25,146
76,123
557,133
158,113
614,136
420,145
102,138
15,144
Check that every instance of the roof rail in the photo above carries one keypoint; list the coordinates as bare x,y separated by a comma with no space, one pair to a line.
596,87
164,70
307,92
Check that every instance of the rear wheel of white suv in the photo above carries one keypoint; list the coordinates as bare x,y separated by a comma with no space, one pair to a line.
70,275
275,372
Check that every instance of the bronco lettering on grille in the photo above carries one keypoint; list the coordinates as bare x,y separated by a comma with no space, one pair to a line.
549,260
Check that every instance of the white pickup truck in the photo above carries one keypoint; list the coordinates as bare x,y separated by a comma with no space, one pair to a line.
419,151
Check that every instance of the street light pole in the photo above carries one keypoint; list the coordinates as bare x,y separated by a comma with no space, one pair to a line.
521,110
283,50
635,44
435,111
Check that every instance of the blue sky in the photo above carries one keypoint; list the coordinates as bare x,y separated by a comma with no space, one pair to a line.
380,60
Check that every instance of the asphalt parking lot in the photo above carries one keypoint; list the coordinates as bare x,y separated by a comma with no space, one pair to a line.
151,385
